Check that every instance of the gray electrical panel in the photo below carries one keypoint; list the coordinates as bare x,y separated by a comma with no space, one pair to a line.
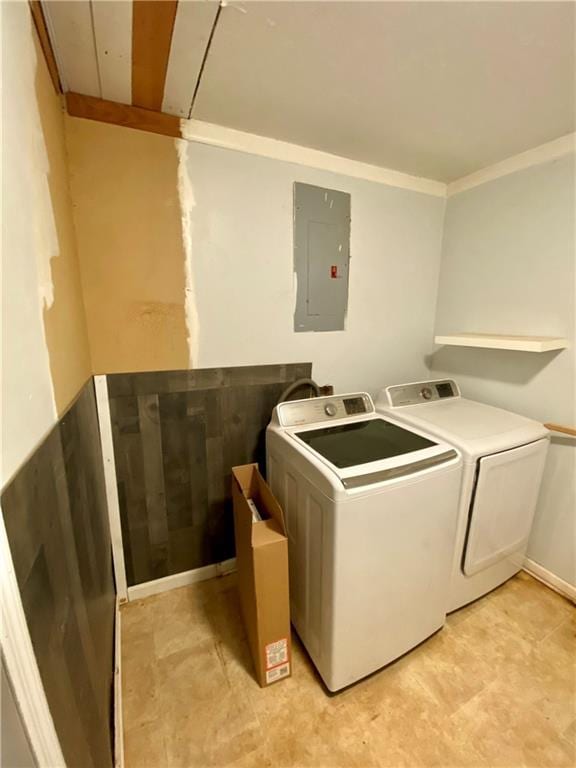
321,257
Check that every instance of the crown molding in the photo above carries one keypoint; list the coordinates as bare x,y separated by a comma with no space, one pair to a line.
535,156
251,143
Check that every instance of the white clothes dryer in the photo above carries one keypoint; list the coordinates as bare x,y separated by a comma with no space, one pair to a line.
371,509
504,456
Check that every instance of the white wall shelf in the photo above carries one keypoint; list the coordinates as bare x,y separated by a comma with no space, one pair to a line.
498,341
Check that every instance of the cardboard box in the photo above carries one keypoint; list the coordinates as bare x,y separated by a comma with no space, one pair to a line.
262,566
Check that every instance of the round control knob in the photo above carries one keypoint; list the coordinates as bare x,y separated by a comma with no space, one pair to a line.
330,409
426,393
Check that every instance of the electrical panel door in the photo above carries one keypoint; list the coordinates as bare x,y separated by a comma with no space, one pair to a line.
321,257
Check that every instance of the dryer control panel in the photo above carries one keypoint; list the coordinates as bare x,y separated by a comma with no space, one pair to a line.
322,409
421,392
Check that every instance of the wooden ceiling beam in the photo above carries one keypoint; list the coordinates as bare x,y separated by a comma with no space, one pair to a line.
122,114
45,43
152,27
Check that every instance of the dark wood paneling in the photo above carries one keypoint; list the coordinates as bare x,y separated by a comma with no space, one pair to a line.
57,524
177,434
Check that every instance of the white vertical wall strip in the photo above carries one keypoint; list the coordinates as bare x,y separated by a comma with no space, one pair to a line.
22,665
118,712
113,39
72,36
103,405
192,28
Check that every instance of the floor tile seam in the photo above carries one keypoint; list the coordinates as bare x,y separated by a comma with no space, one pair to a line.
429,693
571,744
518,624
492,684
481,761
565,620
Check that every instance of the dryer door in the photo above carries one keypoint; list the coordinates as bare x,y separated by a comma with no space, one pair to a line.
506,493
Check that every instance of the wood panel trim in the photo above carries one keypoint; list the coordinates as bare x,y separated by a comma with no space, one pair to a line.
105,423
45,43
561,428
122,114
118,712
152,27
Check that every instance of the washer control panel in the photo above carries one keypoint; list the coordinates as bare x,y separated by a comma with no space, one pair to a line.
427,393
421,392
322,409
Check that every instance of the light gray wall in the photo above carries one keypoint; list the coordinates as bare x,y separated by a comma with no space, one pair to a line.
243,279
15,751
508,266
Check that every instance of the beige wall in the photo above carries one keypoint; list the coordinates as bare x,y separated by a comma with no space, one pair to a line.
127,214
64,321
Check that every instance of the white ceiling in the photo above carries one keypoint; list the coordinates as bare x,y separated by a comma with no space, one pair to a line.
435,89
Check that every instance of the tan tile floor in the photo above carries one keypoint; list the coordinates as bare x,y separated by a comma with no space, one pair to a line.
496,687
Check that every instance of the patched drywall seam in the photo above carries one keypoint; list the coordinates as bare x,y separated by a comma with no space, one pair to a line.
187,204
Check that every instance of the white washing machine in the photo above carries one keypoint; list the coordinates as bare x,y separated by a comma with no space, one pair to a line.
504,456
371,511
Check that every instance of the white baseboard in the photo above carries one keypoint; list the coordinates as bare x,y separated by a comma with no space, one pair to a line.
118,719
550,580
181,579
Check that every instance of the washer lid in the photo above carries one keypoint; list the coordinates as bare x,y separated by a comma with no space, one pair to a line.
366,454
362,442
474,427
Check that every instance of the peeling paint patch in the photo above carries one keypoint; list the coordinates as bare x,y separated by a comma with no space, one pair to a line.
41,210
187,204
46,237
41,213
